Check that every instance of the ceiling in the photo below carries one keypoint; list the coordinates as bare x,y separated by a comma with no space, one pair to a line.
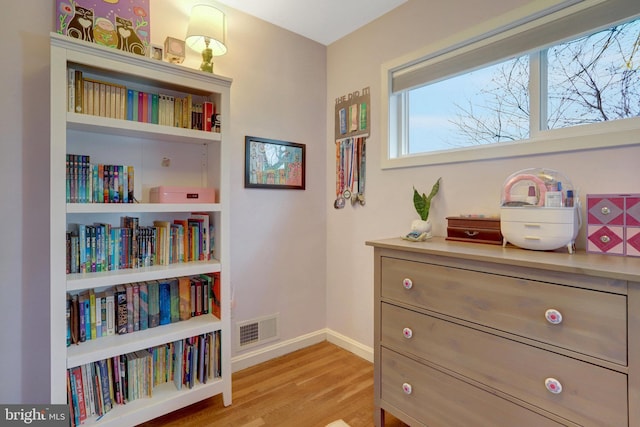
324,21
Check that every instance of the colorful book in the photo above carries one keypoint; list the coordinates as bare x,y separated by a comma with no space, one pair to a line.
207,113
78,95
129,291
136,306
154,303
144,305
111,312
184,291
204,234
207,283
174,295
155,115
165,301
98,298
92,314
121,310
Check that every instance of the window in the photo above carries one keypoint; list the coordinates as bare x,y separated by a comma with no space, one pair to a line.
468,102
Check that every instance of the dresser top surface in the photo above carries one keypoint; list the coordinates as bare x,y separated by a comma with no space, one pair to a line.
580,262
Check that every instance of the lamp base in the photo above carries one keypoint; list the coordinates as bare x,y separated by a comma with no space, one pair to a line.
207,60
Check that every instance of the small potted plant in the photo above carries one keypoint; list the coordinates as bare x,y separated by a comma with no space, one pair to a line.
421,228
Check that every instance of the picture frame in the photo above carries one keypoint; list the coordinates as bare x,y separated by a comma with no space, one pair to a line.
155,52
271,163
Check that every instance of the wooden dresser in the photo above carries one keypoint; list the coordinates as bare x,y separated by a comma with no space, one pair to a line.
479,335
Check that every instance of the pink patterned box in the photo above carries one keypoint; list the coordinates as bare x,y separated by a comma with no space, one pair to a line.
613,224
122,24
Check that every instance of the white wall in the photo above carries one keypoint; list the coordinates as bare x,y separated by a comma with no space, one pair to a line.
278,249
473,187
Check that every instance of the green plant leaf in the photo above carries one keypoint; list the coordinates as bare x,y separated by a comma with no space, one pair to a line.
420,204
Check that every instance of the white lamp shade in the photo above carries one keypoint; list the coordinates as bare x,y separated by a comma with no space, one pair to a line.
207,22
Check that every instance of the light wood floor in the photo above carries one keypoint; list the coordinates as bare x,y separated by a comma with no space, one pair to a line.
307,388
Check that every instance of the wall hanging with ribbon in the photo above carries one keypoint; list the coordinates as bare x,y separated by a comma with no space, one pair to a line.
351,132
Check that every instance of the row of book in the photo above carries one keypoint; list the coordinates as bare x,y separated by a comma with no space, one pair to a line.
102,247
94,389
106,99
132,307
98,183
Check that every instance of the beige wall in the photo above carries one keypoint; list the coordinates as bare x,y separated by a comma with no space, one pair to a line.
472,187
278,249
278,261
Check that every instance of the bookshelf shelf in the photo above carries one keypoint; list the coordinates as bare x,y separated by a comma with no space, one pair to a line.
165,396
105,347
80,281
118,127
128,208
194,158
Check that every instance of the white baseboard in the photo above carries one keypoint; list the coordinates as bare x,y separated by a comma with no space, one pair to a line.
261,355
353,346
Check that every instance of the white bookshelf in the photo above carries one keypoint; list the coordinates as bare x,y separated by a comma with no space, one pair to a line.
197,158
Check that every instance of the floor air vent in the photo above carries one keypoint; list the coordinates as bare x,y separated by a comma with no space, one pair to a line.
257,331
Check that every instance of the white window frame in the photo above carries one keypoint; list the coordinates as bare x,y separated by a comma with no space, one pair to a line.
528,19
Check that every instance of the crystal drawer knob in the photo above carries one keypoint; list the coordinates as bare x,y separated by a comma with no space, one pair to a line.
406,387
407,332
605,210
605,239
407,283
553,316
553,385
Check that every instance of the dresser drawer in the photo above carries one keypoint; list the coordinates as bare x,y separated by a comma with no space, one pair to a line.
605,239
593,323
438,399
478,235
591,395
605,209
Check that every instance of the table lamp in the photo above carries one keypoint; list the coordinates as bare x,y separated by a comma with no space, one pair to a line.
207,33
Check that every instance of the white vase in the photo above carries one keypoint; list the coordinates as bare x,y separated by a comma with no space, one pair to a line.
421,226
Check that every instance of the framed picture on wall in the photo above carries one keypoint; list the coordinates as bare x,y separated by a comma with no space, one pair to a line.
270,163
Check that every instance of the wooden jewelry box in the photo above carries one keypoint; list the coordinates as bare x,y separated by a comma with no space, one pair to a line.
474,229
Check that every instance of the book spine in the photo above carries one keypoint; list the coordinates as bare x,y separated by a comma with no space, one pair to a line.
77,373
98,309
121,307
111,313
68,319
198,297
174,291
104,381
78,91
185,297
129,293
71,89
154,303
155,111
114,95
136,306
165,302
207,112
144,306
141,116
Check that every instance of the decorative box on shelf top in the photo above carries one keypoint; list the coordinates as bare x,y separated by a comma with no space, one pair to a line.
170,194
476,229
613,224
